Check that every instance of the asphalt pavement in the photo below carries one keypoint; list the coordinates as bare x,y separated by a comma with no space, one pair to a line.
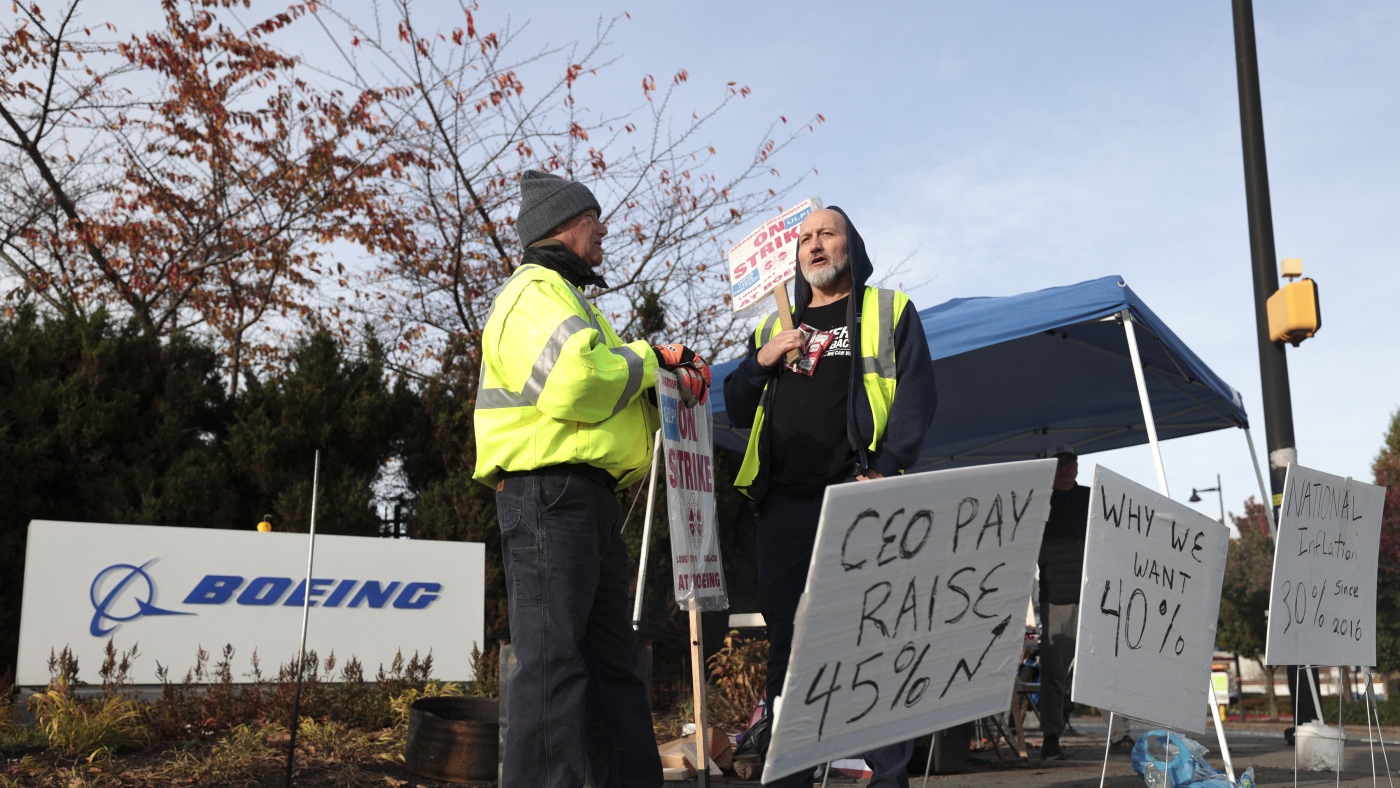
1260,745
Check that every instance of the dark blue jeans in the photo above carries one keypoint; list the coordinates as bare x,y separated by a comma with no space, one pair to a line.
787,534
575,700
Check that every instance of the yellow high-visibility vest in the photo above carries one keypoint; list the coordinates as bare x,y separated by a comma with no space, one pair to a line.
558,386
880,313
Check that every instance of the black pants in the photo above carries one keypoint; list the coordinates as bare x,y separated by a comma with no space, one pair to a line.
575,701
787,533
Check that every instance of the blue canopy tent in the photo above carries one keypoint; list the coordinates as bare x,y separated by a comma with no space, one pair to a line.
1018,373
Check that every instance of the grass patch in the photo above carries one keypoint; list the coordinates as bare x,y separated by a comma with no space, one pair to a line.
246,755
90,727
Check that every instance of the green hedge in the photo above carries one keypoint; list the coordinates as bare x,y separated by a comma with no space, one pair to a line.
1355,715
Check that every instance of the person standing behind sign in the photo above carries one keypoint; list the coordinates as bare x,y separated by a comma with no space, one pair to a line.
1061,575
561,423
829,418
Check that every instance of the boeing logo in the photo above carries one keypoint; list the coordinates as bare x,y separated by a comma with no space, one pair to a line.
133,589
125,592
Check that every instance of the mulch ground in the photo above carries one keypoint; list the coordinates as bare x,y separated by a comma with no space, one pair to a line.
42,769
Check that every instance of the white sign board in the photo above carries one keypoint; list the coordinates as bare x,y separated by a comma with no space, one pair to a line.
686,440
1322,607
175,590
911,620
1148,606
767,258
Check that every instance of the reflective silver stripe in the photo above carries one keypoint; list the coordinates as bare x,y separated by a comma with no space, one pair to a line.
882,363
512,277
587,310
634,376
549,356
522,269
765,329
499,398
539,373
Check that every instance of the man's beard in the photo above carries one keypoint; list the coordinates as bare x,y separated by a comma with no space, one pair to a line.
822,277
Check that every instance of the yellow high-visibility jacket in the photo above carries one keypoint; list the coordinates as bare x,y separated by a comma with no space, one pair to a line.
558,386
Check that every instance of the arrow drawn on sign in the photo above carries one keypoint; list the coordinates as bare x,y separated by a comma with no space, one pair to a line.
962,663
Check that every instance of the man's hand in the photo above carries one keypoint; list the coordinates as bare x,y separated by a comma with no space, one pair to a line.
870,473
777,348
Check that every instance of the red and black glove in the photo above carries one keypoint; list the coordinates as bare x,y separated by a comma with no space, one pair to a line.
672,356
694,384
691,371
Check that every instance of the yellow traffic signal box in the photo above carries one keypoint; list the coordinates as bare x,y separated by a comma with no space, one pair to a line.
1294,312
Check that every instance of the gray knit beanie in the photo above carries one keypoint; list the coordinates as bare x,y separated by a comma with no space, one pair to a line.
547,201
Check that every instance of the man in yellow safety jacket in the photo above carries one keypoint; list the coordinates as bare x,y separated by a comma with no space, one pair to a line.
562,422
854,406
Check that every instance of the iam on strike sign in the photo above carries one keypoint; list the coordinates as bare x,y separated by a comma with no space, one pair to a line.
768,256
690,499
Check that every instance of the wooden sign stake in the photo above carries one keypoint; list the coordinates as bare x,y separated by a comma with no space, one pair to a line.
697,675
785,317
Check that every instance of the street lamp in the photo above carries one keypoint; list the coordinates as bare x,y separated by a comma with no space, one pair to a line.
1196,498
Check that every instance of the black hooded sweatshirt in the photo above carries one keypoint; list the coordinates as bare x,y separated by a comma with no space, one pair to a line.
916,397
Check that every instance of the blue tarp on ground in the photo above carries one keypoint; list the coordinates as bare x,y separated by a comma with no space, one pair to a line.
1018,373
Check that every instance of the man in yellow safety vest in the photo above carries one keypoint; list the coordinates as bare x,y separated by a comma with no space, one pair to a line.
562,422
854,406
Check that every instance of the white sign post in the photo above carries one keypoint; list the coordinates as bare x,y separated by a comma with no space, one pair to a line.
911,620
1322,607
698,572
1149,605
175,590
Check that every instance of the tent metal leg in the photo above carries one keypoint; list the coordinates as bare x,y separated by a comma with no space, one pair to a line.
1264,496
1148,421
1151,425
1220,733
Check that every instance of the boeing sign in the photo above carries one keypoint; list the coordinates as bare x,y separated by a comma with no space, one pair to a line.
177,590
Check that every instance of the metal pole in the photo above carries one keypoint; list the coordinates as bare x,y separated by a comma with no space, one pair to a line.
1220,732
1273,363
305,614
646,533
1221,492
928,764
1371,697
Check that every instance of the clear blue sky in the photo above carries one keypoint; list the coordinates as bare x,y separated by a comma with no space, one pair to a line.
1011,146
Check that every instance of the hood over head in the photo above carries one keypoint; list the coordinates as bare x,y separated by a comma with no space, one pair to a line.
860,266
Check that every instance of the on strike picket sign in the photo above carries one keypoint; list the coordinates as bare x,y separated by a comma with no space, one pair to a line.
767,257
686,439
1322,607
1148,606
911,620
